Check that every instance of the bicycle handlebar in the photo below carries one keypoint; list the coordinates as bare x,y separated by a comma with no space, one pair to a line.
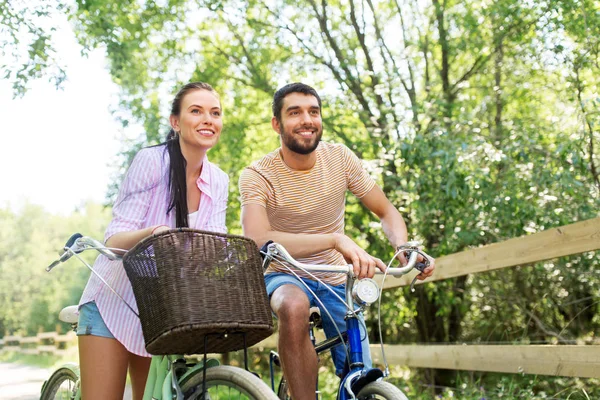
275,249
78,243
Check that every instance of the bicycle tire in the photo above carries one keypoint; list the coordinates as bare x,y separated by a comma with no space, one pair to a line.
380,390
55,388
227,382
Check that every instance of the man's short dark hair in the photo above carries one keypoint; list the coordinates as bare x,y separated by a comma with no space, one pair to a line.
296,87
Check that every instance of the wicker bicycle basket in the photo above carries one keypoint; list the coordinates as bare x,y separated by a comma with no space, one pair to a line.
191,284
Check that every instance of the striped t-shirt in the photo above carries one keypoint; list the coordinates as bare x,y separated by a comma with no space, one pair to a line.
307,202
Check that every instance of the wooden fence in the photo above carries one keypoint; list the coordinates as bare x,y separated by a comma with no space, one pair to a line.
43,343
559,360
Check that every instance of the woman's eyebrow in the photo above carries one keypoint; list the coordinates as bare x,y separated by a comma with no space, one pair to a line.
199,106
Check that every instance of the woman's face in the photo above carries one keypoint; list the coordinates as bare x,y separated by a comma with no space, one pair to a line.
199,123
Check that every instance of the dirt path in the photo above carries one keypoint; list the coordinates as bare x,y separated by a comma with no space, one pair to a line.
23,382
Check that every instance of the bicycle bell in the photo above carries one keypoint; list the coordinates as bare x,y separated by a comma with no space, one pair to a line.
365,291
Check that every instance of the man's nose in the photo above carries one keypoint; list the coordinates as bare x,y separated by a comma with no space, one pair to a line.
305,118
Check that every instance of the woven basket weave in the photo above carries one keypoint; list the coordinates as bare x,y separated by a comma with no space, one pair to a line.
189,283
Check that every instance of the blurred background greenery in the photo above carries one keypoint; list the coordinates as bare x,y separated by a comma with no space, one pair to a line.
479,119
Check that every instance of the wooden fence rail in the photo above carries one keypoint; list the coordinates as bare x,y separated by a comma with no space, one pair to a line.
567,240
43,343
559,360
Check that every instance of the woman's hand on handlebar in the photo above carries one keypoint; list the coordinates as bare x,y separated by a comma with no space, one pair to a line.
364,264
159,228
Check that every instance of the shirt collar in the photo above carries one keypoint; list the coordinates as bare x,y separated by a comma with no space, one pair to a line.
204,179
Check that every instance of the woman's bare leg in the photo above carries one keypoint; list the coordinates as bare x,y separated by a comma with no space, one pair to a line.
103,363
138,372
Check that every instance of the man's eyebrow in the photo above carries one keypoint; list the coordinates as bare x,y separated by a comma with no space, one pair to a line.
290,108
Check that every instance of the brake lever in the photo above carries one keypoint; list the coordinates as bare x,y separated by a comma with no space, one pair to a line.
420,266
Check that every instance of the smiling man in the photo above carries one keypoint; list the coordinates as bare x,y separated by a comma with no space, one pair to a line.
295,196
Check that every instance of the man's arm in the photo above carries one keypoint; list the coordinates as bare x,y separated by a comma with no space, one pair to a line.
392,223
255,224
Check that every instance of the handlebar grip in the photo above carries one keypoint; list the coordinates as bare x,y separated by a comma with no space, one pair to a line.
72,240
54,264
65,255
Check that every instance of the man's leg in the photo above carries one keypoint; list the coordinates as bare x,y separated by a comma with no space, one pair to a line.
297,354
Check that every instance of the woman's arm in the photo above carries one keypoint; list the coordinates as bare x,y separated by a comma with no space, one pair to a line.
132,206
126,240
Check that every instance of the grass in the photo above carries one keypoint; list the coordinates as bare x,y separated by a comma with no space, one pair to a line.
48,361
467,386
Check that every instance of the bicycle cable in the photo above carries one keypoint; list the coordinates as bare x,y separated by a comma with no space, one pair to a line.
320,302
386,371
102,279
352,311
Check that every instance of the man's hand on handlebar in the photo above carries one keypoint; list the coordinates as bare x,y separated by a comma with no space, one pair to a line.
364,264
425,263
427,271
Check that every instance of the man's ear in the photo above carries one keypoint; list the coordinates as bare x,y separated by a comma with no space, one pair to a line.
174,120
276,126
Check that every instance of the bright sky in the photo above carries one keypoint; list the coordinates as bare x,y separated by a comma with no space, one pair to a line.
57,146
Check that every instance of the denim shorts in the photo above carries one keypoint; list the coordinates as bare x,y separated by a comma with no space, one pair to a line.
335,307
91,322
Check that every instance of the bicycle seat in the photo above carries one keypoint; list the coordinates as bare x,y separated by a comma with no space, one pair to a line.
315,317
69,314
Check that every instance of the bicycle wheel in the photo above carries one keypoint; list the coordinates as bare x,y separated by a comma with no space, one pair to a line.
226,382
381,390
61,385
283,392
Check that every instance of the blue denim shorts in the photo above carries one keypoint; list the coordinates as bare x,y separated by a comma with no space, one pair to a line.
91,322
335,307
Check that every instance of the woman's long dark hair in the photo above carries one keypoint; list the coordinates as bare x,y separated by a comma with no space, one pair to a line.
177,163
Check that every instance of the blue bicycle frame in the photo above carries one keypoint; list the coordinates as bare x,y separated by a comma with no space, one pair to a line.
358,376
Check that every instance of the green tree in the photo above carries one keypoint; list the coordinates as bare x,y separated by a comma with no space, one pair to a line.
31,298
478,119
26,43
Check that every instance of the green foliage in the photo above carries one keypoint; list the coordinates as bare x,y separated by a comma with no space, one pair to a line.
30,240
478,119
26,43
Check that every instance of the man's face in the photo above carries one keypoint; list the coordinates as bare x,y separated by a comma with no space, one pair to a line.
300,127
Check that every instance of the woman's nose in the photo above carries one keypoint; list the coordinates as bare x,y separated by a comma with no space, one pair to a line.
207,119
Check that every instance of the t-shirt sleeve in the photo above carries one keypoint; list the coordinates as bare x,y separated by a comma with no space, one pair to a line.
359,181
254,188
135,194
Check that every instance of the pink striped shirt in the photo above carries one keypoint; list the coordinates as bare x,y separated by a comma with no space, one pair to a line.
142,202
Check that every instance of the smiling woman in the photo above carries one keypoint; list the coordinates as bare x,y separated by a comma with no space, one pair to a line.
171,185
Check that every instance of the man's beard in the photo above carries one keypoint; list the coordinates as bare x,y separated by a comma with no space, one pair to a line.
297,145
